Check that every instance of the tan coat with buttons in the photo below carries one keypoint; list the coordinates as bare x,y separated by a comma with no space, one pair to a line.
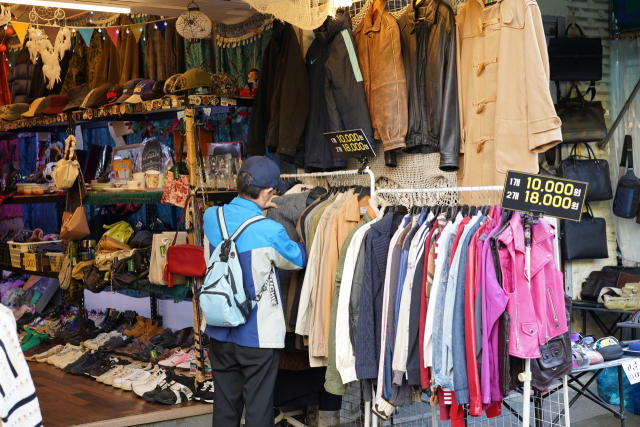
506,111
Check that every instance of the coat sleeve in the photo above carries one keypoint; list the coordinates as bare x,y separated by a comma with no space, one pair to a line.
258,121
544,123
294,103
366,364
450,125
344,88
458,46
354,298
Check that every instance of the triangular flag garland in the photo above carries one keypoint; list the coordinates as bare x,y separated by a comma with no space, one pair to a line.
113,32
86,34
20,29
52,33
162,26
136,29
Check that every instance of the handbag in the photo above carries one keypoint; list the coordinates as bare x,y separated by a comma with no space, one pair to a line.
176,184
75,225
159,258
625,204
121,231
65,270
185,260
586,239
582,120
596,281
95,280
592,170
575,59
128,270
67,169
625,278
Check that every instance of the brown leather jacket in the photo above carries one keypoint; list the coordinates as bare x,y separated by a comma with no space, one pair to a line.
385,83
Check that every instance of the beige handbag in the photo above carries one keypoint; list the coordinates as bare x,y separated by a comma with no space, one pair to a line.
65,271
159,248
75,225
105,259
67,169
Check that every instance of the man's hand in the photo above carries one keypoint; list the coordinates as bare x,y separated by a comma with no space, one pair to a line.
270,204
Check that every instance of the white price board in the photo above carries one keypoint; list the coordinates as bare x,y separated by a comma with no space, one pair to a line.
632,369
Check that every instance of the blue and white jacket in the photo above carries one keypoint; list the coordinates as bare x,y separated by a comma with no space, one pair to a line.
259,246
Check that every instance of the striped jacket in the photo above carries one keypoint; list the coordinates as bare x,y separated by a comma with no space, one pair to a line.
261,246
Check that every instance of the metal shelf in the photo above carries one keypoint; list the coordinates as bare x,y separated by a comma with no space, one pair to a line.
50,274
95,198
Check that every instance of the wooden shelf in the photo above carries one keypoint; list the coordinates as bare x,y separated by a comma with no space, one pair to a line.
97,198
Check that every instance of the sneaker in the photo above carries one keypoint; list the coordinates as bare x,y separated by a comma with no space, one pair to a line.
116,371
93,344
205,392
181,389
43,347
64,352
149,396
88,363
207,367
42,357
72,356
140,387
105,366
175,359
132,371
186,364
127,383
78,361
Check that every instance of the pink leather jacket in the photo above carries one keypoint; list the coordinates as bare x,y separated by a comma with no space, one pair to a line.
537,314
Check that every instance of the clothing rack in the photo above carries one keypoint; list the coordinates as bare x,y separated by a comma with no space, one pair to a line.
350,172
442,189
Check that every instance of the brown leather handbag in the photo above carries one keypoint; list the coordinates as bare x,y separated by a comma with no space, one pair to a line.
582,120
74,224
625,278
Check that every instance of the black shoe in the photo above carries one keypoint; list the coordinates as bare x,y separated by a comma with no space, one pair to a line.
119,342
100,370
181,389
204,392
150,395
80,359
89,362
115,319
146,357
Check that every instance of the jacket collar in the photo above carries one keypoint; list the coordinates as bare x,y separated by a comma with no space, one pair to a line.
247,204
514,233
372,21
382,228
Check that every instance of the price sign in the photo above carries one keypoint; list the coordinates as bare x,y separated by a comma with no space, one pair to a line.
632,369
557,197
30,262
349,144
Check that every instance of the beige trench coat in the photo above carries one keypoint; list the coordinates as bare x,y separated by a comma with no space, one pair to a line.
506,111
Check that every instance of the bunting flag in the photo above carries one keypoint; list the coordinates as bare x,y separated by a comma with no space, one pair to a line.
52,32
21,29
136,29
162,26
114,32
86,34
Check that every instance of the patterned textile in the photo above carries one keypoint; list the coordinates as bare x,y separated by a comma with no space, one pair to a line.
237,61
200,55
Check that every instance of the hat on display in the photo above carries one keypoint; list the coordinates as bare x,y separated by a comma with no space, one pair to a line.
157,91
76,96
98,96
195,78
173,84
114,94
143,87
265,173
56,104
86,99
15,111
128,90
44,104
32,109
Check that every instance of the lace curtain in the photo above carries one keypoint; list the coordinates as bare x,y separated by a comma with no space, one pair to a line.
625,73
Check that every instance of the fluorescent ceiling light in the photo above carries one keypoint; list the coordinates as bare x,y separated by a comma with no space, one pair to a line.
78,6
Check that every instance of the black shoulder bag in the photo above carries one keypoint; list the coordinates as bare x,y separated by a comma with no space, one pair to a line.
591,170
586,239
625,204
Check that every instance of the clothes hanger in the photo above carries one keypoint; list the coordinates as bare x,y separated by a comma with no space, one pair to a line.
487,207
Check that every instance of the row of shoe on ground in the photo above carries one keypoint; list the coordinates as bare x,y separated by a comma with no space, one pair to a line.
162,353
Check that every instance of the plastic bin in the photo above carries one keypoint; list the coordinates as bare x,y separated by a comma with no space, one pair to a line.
55,259
15,249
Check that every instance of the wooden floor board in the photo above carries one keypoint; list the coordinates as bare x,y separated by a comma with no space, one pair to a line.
67,400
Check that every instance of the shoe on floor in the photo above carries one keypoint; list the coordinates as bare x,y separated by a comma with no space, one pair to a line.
205,392
141,387
180,390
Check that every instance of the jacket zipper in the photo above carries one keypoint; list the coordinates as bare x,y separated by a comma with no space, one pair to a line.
517,331
555,316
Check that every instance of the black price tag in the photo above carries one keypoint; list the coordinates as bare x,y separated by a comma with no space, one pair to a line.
557,197
349,144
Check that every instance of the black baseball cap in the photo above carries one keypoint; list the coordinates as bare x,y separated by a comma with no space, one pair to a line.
265,173
157,91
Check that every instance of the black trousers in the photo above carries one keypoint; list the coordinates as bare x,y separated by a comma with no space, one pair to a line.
243,376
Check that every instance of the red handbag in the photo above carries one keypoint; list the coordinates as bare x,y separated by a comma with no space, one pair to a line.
185,260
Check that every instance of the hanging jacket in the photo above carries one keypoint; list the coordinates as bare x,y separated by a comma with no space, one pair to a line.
536,312
20,77
337,98
378,43
429,53
281,106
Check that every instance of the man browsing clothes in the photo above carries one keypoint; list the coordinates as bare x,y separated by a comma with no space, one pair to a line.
244,359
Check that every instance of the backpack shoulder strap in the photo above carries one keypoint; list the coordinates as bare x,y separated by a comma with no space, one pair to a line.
246,224
222,224
627,153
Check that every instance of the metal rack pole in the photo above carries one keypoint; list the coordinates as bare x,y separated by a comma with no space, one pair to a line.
366,170
440,189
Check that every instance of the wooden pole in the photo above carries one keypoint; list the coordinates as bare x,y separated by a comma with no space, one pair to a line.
195,236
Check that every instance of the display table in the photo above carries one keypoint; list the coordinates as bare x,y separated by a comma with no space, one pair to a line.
594,309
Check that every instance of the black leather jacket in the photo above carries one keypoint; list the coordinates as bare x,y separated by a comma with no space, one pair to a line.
429,52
